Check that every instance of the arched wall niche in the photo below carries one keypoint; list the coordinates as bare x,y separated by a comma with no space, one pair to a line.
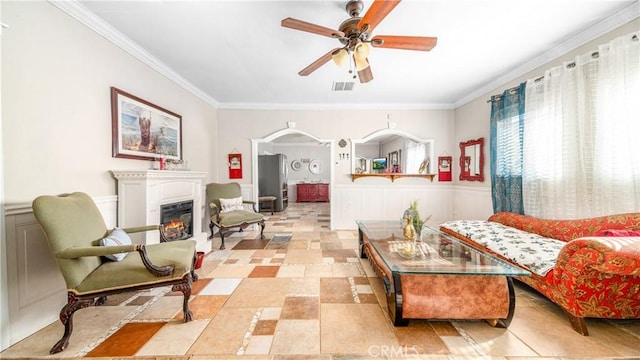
290,131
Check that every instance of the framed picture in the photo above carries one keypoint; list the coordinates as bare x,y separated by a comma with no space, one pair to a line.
142,130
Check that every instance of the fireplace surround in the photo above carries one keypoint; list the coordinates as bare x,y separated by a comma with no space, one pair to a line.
142,194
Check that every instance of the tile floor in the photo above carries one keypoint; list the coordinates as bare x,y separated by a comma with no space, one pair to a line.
304,294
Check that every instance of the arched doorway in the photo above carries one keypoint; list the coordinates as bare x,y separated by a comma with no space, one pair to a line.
290,132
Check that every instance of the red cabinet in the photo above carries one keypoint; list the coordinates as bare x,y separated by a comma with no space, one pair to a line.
312,192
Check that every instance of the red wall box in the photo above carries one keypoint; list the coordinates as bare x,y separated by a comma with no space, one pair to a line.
444,168
235,166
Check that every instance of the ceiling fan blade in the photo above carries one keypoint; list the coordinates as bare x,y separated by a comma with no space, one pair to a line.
312,28
365,75
376,13
421,43
316,64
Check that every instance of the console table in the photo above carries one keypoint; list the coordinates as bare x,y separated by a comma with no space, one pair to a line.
312,192
445,279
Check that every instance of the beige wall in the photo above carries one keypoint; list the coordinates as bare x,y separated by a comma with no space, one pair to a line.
56,109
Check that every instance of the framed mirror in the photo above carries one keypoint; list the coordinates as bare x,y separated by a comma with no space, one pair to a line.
472,160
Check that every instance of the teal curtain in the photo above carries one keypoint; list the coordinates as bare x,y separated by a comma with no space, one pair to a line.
506,127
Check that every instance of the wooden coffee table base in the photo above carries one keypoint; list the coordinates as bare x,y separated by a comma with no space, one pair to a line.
444,296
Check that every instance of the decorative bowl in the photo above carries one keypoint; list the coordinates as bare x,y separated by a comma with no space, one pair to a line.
407,250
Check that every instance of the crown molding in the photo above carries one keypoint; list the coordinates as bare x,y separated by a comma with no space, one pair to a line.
604,26
345,106
79,12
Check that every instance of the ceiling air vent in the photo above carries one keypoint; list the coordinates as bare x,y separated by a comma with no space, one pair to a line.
343,85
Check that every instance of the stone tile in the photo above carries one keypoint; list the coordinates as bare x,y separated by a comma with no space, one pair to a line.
457,345
420,337
259,292
206,306
296,337
225,333
335,290
496,341
251,244
224,286
354,329
127,340
264,271
265,327
304,287
291,270
549,334
299,256
270,313
165,308
89,326
175,338
259,345
305,308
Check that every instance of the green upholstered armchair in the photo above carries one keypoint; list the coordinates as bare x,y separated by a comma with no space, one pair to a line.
239,217
74,228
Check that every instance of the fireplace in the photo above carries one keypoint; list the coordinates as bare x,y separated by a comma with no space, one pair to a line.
142,193
177,220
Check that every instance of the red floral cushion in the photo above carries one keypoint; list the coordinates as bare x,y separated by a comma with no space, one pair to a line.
618,232
567,230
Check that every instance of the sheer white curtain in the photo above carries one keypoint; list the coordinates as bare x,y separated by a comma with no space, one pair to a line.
582,135
415,154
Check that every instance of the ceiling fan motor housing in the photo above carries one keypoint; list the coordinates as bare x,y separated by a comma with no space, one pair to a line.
354,7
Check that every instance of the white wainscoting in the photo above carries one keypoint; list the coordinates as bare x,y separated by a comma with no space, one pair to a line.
36,290
472,203
374,202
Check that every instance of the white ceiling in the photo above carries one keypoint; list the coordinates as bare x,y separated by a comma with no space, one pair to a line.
235,54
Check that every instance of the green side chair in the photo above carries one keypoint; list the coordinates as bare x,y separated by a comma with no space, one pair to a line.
228,210
76,233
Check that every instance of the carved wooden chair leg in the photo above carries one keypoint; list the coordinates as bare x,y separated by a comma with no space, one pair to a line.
74,304
262,229
185,289
194,276
222,239
211,228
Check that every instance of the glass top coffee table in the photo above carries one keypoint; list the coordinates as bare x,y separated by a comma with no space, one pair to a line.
444,278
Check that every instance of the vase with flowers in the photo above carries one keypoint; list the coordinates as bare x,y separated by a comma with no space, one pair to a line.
413,212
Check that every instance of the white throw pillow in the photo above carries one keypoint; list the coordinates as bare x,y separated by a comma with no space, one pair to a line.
231,204
116,237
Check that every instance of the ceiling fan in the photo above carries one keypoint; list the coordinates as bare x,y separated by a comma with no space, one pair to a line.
355,36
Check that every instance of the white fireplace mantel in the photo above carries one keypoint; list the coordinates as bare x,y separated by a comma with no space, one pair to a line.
142,192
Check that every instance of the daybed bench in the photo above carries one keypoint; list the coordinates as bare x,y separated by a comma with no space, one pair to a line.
588,267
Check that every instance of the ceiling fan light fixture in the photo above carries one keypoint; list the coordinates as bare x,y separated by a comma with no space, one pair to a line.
361,64
340,57
361,51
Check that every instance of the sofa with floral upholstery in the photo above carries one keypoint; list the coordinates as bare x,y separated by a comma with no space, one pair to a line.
588,267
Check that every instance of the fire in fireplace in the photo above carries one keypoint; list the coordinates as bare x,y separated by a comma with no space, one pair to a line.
177,220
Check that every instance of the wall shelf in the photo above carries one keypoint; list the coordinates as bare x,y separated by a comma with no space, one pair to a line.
393,176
